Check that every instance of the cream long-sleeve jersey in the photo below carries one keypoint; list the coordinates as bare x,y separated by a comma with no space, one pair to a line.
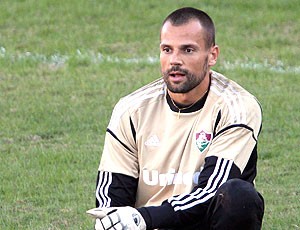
169,163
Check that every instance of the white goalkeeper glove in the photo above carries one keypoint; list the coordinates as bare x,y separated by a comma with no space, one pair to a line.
117,218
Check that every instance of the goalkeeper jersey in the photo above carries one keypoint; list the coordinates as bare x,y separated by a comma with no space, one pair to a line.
157,156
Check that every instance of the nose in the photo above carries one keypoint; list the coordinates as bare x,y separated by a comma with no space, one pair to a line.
175,59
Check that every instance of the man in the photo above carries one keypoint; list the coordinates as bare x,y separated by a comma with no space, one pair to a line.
181,152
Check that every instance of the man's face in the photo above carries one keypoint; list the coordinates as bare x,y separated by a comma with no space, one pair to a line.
183,56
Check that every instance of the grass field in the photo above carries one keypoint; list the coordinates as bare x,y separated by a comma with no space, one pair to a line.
64,64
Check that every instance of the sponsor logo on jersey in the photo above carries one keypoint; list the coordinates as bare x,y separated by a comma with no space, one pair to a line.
203,139
152,141
154,178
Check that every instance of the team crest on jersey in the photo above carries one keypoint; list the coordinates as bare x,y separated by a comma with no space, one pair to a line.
203,139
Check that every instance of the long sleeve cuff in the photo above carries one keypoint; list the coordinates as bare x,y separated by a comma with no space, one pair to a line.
159,216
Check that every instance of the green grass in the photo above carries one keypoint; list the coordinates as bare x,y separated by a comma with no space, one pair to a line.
64,64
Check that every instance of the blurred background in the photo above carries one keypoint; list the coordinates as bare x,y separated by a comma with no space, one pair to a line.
64,65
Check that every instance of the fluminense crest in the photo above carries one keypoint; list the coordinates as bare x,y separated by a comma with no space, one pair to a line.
203,139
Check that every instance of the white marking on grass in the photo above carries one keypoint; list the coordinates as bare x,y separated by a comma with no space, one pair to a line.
97,58
278,67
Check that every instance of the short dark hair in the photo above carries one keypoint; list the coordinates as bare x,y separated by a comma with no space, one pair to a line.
184,15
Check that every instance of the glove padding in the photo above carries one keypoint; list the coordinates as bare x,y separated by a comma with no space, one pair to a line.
117,218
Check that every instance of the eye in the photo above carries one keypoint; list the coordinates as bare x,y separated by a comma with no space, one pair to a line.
166,50
189,50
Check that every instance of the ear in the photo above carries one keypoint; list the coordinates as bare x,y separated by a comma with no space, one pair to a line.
213,55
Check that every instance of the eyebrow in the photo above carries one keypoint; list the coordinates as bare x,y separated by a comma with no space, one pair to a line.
183,46
188,45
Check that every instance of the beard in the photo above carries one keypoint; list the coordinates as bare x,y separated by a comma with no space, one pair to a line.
192,80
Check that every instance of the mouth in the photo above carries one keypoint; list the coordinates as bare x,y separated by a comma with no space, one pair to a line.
176,76
176,73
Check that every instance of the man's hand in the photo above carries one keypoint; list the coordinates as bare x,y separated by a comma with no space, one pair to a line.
117,218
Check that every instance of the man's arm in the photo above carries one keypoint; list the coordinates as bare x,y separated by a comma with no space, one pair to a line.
115,189
186,209
117,177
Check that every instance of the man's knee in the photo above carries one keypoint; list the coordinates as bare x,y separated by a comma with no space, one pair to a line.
236,204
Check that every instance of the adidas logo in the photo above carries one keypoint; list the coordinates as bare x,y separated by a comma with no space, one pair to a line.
152,141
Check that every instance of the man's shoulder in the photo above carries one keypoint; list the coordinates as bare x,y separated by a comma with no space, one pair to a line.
232,97
152,89
225,87
151,92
